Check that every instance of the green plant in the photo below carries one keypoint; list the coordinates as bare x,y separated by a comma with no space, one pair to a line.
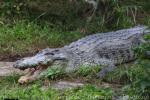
122,75
116,14
141,84
134,78
111,14
142,49
53,72
16,8
88,92
7,80
87,71
34,92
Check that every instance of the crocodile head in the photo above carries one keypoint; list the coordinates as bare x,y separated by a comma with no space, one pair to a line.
45,57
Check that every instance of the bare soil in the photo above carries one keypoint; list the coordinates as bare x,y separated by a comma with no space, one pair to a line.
13,58
6,68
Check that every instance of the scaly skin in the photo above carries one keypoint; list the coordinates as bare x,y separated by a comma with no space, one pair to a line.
109,49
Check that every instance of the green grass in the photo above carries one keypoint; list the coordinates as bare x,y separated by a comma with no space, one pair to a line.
10,89
26,37
134,78
34,92
55,72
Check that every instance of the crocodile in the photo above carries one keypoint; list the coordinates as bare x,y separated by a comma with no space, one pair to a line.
109,49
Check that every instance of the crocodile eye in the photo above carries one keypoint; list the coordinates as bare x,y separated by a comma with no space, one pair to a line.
49,53
121,51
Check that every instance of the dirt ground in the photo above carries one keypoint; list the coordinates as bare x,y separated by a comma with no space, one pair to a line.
6,68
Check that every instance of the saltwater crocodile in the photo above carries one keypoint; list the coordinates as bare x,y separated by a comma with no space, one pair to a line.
108,49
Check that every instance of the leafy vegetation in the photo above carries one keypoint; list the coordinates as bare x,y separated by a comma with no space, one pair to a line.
89,93
56,72
140,78
87,71
53,73
14,91
111,14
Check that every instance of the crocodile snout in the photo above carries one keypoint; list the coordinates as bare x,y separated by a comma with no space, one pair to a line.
25,63
32,62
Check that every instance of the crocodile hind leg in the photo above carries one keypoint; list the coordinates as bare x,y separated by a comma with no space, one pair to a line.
109,67
32,75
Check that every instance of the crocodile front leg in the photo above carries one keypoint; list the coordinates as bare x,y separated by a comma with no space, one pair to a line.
109,67
106,70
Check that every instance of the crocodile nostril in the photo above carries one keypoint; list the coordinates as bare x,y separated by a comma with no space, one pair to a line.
40,62
16,64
